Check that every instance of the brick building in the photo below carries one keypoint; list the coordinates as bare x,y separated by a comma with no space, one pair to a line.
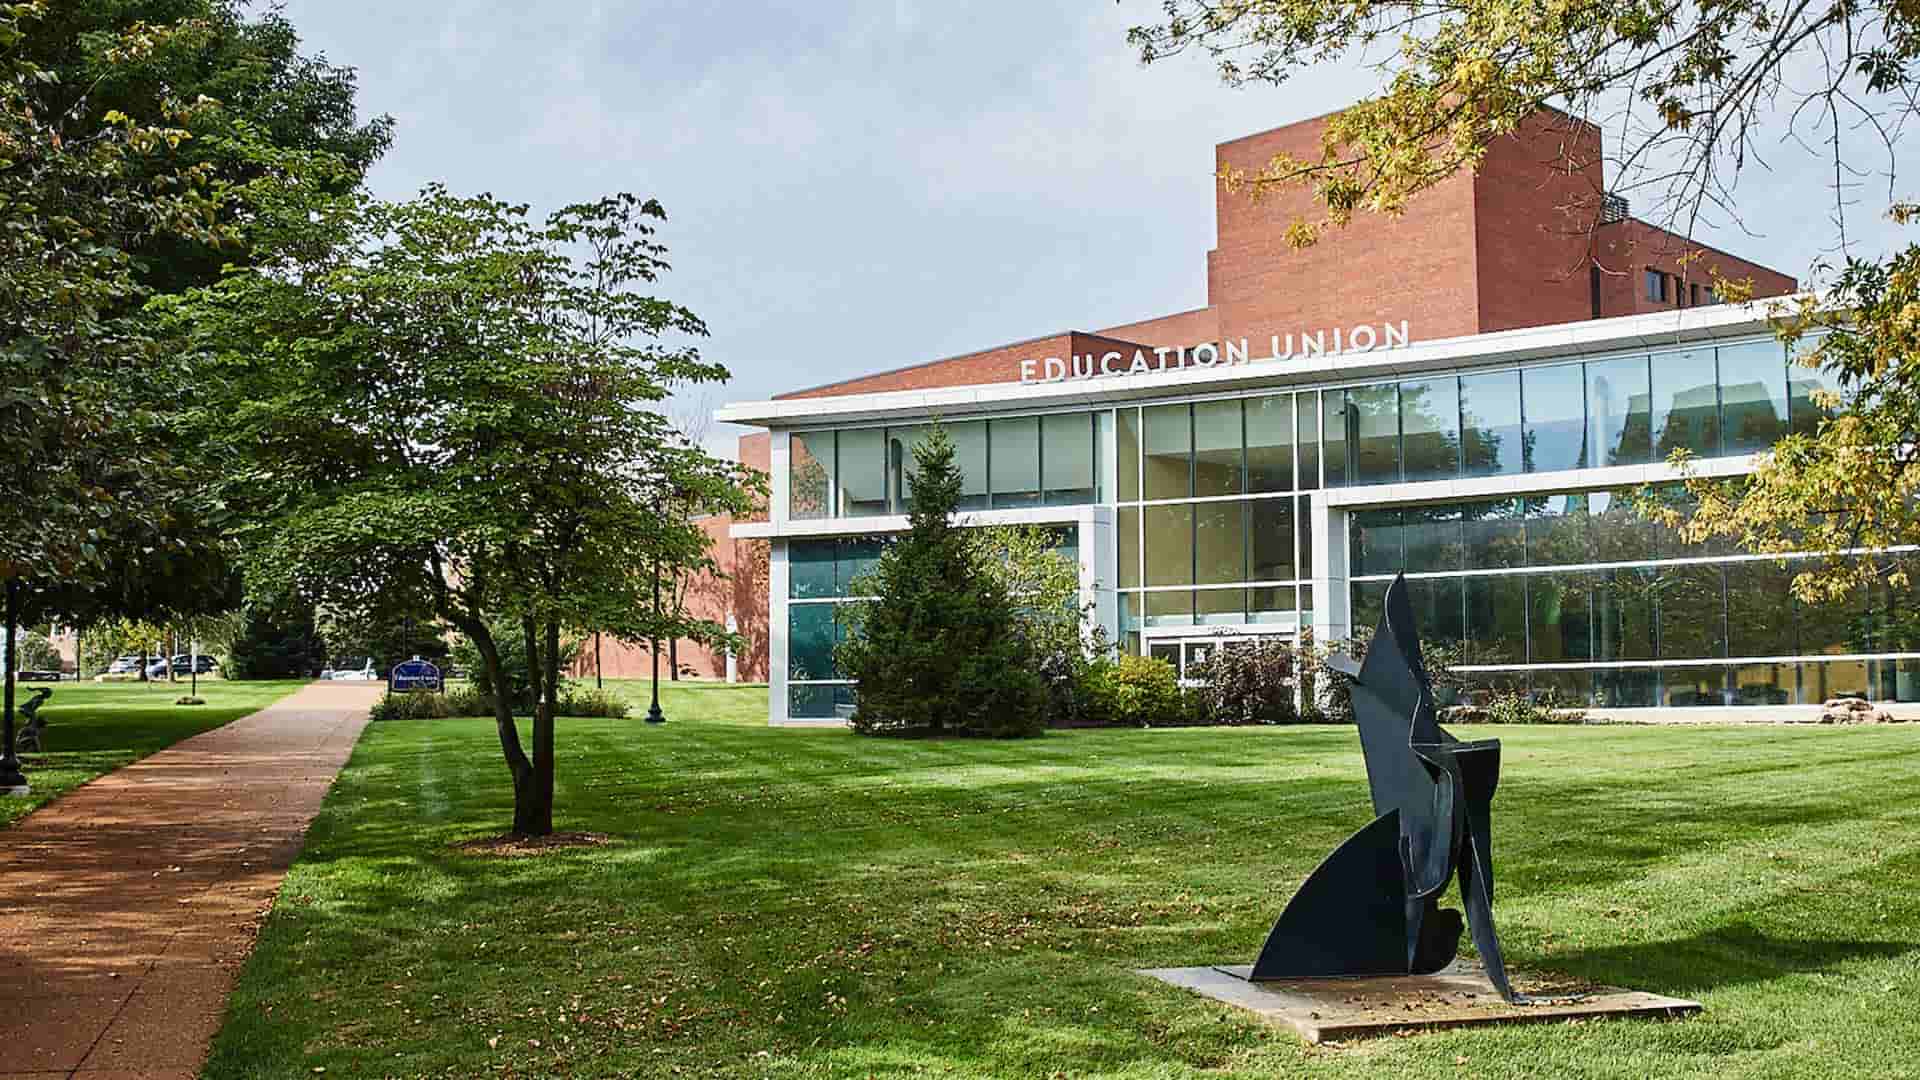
1466,392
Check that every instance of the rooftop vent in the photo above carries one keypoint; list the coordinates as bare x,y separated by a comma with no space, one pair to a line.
1612,208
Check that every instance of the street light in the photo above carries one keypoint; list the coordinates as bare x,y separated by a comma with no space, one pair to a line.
654,715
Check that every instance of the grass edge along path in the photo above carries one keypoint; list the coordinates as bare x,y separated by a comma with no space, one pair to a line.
95,728
793,903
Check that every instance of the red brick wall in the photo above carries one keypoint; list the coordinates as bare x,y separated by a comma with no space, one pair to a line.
1173,331
1418,267
1536,198
1627,248
990,366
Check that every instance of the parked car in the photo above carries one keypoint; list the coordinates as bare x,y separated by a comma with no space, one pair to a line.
125,665
341,672
182,665
37,676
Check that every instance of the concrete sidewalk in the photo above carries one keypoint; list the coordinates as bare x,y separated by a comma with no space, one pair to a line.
127,907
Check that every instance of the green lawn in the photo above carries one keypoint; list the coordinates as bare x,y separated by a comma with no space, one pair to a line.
95,728
793,903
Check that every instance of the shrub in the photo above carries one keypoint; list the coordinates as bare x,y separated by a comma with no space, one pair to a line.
1247,682
1133,691
578,701
279,641
511,640
412,705
466,699
35,652
1519,707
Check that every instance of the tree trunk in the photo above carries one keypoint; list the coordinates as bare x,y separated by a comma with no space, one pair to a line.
517,764
673,659
533,802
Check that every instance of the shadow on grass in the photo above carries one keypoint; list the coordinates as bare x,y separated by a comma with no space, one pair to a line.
1732,955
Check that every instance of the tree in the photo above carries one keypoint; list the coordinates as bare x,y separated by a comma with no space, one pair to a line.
278,639
940,647
1044,585
1699,93
440,404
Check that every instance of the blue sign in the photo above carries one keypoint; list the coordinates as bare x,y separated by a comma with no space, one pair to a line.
416,674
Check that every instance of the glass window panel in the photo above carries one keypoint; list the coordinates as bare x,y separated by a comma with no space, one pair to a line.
1228,606
1556,419
1373,435
1616,531
1102,438
1626,688
1764,684
1013,461
810,702
1692,610
1667,542
901,464
1804,414
1760,618
1169,450
1306,605
1686,403
1623,614
1168,653
1753,396
1307,418
1490,429
1270,603
1686,686
1378,543
1619,428
970,454
1220,542
1219,449
1270,538
1433,538
1126,527
1369,601
1494,534
810,568
1831,626
843,701
1496,619
810,637
857,557
1840,678
1067,458
861,473
1127,449
1169,544
1303,525
1556,530
1438,609
1270,443
1559,618
1170,608
1335,446
1895,615
809,475
1430,428
1563,688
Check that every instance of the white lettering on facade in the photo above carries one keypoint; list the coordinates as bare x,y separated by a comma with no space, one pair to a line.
1364,338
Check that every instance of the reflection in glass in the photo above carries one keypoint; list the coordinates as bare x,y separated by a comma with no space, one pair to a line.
1438,609
1760,615
1219,446
1127,449
1804,414
810,637
1490,428
1303,524
1373,433
1626,688
861,473
1376,542
1496,619
810,702
1619,428
1307,416
1556,418
901,465
1692,610
1172,608
1616,531
1014,461
1686,403
1753,396
1220,605
856,557
1623,614
1685,686
1559,618
1369,600
1432,538
809,475
1067,458
810,568
1169,452
1430,428
1765,684
1220,542
1556,530
1270,603
1126,527
1494,534
1102,438
1833,626
970,455
1169,543
1335,446
1563,688
1270,539
1270,443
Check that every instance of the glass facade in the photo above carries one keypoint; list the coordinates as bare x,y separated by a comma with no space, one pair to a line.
1573,592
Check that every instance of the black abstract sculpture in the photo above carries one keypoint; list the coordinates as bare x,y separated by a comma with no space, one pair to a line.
1372,907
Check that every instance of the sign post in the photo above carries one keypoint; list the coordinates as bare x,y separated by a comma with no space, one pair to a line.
415,674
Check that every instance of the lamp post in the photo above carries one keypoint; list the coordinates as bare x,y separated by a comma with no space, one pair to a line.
654,715
12,780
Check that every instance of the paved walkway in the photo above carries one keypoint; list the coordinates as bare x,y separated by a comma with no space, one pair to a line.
128,906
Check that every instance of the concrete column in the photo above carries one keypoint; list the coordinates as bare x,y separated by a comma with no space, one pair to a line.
777,665
1332,620
1098,574
779,460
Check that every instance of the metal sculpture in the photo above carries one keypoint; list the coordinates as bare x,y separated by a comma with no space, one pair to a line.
1372,908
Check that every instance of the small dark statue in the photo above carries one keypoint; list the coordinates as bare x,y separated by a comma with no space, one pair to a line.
1372,907
28,737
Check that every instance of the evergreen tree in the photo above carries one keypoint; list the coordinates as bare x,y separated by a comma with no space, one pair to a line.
939,649
280,641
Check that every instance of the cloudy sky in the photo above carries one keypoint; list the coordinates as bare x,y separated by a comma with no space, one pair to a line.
854,185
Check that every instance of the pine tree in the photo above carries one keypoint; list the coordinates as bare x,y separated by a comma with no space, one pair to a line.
939,647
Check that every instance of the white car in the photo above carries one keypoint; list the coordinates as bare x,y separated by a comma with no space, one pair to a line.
361,674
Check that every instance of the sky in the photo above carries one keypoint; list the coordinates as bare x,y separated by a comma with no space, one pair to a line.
856,185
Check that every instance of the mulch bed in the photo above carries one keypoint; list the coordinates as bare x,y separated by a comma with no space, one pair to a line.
510,846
